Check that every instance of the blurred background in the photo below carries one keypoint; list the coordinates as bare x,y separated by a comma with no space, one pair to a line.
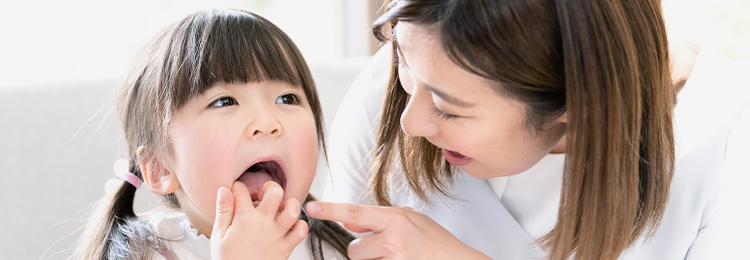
59,61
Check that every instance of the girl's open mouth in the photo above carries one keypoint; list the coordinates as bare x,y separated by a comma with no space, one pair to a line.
260,173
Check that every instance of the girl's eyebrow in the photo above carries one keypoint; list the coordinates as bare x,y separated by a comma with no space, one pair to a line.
448,98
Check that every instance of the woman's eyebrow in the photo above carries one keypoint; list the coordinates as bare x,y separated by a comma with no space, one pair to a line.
399,54
400,57
448,98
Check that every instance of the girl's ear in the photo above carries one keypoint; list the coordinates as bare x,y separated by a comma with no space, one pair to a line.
158,178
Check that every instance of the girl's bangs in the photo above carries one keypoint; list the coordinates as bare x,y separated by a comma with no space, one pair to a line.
236,48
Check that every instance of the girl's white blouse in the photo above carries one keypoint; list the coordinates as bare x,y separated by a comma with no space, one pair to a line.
707,217
184,242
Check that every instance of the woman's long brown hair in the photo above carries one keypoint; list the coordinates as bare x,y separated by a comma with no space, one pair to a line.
603,62
185,60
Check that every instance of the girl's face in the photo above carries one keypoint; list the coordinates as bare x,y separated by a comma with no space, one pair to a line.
249,132
483,132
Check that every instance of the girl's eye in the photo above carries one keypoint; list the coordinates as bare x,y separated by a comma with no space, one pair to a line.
289,99
224,102
442,114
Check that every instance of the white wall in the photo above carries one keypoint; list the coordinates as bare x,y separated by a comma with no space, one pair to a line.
724,24
50,42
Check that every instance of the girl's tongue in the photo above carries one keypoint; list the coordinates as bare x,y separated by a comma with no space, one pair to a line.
254,182
256,176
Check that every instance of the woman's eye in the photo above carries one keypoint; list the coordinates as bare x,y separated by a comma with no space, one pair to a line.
398,61
289,99
224,102
442,114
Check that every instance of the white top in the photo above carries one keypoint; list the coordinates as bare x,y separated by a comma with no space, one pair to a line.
707,216
184,242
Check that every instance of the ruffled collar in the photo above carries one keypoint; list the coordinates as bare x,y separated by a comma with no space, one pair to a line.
180,236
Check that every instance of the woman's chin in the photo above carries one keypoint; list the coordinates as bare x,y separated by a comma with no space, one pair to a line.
479,172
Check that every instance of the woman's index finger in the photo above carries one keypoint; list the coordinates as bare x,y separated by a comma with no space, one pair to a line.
363,216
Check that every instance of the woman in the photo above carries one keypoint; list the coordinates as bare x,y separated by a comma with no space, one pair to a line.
576,96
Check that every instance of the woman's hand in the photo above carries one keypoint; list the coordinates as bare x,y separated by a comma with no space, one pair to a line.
242,231
397,233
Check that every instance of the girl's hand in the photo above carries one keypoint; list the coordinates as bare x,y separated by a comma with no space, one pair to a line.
242,231
397,233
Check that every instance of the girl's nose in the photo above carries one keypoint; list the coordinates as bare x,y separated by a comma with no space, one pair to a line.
416,119
263,124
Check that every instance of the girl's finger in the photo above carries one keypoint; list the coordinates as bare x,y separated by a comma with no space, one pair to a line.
224,212
243,203
289,215
297,233
270,197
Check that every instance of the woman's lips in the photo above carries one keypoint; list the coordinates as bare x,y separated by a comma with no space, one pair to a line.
455,158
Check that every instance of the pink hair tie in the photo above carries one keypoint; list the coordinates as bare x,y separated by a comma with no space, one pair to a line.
123,173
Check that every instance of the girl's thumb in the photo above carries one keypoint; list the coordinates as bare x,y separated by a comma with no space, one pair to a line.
224,212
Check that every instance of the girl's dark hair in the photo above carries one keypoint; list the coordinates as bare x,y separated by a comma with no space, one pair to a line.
183,61
325,231
604,62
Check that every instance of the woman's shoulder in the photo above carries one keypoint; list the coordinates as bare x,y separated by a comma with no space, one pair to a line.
714,96
707,211
353,133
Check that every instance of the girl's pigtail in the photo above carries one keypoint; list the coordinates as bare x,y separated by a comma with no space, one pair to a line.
620,149
325,231
114,231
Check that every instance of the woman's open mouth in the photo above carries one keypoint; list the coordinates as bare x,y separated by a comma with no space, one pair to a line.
455,158
260,173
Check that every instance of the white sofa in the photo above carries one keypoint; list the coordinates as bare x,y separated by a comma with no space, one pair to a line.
57,148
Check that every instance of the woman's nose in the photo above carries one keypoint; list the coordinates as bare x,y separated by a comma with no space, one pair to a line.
416,119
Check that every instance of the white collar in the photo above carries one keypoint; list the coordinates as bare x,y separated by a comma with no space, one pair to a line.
533,197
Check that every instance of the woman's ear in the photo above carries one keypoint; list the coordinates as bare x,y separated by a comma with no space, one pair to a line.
563,118
158,178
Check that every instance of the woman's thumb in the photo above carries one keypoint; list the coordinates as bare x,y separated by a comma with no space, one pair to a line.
224,212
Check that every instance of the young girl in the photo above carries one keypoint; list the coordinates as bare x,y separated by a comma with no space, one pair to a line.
221,99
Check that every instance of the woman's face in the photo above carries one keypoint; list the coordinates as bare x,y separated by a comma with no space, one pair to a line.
483,132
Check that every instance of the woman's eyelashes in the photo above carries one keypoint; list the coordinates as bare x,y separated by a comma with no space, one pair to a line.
223,102
442,114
